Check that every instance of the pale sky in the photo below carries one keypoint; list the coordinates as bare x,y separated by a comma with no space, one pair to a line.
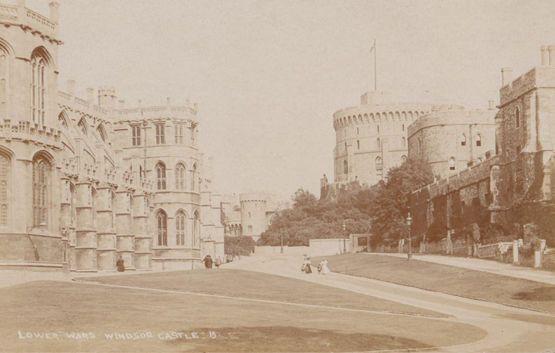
268,75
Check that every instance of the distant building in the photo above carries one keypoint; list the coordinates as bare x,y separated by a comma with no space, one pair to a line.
372,138
452,138
249,214
520,172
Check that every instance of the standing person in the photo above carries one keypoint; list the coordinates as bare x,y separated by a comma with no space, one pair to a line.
218,262
306,265
325,268
207,262
120,264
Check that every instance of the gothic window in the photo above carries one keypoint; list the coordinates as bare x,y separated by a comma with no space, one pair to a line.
378,128
358,145
41,179
378,143
517,117
179,133
196,229
180,176
358,130
161,176
463,140
478,140
452,163
180,228
379,164
4,187
160,133
194,177
101,132
136,135
38,83
403,127
162,228
62,119
404,142
83,125
345,167
3,82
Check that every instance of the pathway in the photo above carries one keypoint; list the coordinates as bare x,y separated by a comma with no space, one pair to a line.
509,329
484,266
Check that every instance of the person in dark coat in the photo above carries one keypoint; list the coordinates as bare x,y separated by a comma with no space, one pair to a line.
208,262
120,264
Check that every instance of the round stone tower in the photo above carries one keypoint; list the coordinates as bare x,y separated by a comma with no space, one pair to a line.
253,214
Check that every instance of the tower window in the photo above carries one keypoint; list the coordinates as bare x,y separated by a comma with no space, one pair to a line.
179,133
161,176
180,228
160,134
452,163
136,135
358,145
4,187
180,176
41,176
162,224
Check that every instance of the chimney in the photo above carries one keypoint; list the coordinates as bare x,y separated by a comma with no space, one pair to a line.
491,104
551,50
90,95
54,11
70,86
544,56
506,76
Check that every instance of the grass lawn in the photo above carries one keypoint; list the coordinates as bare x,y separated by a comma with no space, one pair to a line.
247,284
447,279
53,316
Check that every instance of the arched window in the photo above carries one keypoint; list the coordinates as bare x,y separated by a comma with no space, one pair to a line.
83,125
180,176
39,83
378,143
463,140
345,167
162,228
4,187
4,73
358,144
161,176
404,141
62,119
452,163
478,140
180,222
101,132
41,181
194,177
196,229
379,164
517,117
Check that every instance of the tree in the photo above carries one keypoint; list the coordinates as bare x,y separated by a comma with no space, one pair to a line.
390,205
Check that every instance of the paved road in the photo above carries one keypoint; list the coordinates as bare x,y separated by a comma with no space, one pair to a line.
485,266
509,329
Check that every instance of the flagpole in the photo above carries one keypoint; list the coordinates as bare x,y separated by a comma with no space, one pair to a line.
375,68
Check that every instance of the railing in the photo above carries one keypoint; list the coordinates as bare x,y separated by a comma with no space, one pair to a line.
27,17
38,18
24,130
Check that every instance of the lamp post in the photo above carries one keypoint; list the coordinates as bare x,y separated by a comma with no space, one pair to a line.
409,223
281,241
344,234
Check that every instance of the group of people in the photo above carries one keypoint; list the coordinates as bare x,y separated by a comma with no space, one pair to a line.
208,262
322,266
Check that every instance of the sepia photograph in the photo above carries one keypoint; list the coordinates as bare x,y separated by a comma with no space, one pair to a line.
276,176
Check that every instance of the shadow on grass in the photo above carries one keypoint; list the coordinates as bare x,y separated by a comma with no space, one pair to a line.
537,294
292,339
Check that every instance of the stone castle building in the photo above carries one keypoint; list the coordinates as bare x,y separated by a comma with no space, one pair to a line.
372,137
87,180
452,138
249,214
519,169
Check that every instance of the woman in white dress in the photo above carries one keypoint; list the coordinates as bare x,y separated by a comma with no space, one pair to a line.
325,268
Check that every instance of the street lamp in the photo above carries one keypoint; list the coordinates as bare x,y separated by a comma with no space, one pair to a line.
409,223
281,241
344,239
